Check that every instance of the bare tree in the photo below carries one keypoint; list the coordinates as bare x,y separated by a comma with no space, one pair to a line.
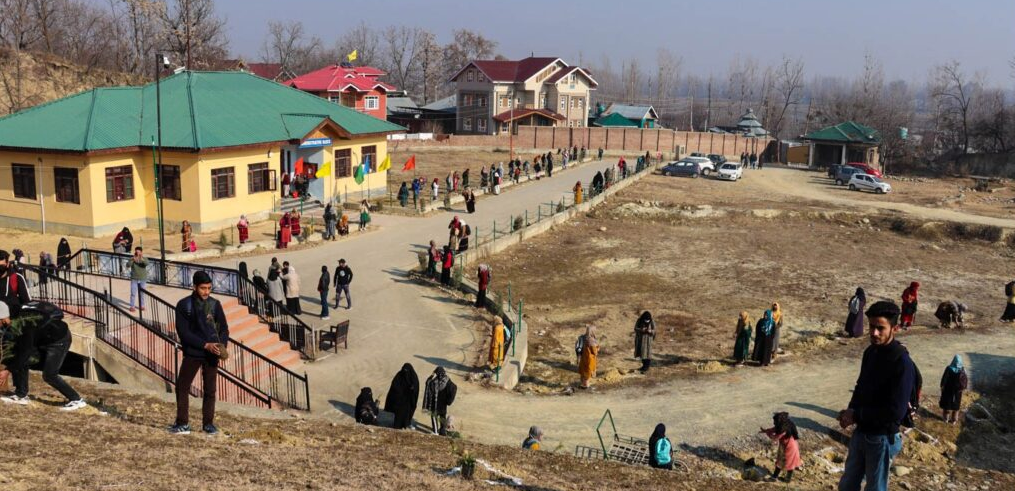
954,93
401,50
431,67
467,46
194,33
288,46
364,41
741,84
632,79
789,81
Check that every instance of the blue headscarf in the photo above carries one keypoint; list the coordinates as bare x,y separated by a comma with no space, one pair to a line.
766,323
956,365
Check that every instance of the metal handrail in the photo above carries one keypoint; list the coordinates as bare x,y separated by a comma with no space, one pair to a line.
113,324
256,370
289,327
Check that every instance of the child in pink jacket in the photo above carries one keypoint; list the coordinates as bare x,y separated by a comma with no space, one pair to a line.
784,431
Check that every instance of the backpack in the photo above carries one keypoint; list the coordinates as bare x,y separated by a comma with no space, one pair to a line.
1009,289
854,305
468,230
48,311
579,345
662,451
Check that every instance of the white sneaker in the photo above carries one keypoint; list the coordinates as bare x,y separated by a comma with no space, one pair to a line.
74,405
325,318
23,401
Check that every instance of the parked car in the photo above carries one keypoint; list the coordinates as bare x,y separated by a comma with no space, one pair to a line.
682,167
717,159
833,170
867,182
845,173
866,169
730,172
697,154
706,164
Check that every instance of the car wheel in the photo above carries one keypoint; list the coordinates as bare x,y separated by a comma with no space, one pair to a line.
852,187
838,182
705,172
879,191
667,173
695,175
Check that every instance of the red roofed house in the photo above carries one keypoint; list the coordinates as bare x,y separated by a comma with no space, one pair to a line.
352,87
494,95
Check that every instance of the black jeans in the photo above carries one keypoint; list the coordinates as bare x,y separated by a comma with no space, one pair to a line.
54,355
188,370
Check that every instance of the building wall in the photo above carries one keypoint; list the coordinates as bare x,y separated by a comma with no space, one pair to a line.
28,213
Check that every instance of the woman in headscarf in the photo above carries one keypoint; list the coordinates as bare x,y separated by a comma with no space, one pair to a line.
276,291
124,239
294,223
403,396
463,240
660,450
47,267
330,219
186,235
403,194
285,231
742,346
465,179
438,394
763,333
63,254
243,229
777,327
589,357
364,215
470,200
953,382
366,407
495,357
578,193
910,298
343,225
448,262
483,275
292,289
854,321
644,333
435,189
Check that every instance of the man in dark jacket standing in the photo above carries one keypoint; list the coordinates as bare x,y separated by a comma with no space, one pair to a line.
323,285
204,333
343,277
880,403
13,286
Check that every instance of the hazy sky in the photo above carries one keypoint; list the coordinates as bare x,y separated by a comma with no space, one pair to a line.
908,36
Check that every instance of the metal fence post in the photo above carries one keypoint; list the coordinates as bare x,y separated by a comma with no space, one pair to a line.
511,223
519,324
539,213
509,295
495,230
526,217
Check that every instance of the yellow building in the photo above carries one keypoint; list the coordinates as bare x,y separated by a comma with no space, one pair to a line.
84,164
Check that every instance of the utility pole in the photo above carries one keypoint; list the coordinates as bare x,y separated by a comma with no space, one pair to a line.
161,61
186,15
708,107
511,122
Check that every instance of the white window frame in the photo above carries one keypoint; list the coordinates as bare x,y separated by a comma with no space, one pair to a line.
570,124
466,100
480,77
469,75
563,102
467,124
581,102
482,100
542,100
372,102
337,99
481,124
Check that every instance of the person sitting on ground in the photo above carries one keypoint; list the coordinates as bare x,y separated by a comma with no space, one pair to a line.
953,382
660,450
784,431
343,225
366,407
38,329
949,313
532,441
124,239
438,394
403,396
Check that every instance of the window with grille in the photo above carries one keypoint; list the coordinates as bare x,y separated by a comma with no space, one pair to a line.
467,124
65,180
343,163
258,178
24,181
223,183
370,155
169,182
119,183
372,102
480,124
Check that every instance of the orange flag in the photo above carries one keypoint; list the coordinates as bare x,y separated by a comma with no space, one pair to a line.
299,165
410,164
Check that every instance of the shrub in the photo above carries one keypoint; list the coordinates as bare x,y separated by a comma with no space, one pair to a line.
424,259
965,231
518,223
902,226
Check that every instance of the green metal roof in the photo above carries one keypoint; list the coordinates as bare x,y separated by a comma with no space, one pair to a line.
615,120
199,110
848,132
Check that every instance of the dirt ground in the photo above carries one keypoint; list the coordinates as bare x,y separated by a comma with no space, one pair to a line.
697,252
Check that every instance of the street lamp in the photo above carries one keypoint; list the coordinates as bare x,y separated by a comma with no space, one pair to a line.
161,63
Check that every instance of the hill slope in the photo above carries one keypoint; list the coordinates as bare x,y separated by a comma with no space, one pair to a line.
45,78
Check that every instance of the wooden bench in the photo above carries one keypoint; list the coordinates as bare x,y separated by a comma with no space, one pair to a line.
339,333
982,183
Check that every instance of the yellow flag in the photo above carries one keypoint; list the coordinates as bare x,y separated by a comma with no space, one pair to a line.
324,170
386,164
352,56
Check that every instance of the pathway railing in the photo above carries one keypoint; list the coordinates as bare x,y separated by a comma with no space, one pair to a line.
290,328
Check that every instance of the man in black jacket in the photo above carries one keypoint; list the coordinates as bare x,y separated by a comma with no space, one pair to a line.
13,286
343,277
880,403
204,333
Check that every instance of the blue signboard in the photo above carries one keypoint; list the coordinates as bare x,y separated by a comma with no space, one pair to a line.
316,142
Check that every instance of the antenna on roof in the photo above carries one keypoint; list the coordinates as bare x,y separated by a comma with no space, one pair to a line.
532,54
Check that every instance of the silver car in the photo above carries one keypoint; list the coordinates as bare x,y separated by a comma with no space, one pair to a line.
867,182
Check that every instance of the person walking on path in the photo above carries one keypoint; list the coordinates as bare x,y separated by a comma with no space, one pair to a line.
323,285
447,262
953,382
660,450
343,278
38,329
854,320
742,346
63,254
364,215
403,396
186,236
465,179
879,403
204,333
578,193
292,288
276,291
483,282
296,230
433,259
784,431
285,232
138,277
435,190
498,335
330,222
599,155
644,334
589,356
416,189
910,299
763,336
776,328
535,437
47,267
439,392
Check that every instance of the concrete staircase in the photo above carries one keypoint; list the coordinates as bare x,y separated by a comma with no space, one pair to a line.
311,207
246,328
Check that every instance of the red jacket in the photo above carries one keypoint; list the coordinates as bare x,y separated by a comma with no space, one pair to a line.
484,279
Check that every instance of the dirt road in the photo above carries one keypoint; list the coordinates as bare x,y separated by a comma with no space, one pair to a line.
814,186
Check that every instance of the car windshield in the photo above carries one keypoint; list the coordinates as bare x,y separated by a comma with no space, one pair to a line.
874,178
728,167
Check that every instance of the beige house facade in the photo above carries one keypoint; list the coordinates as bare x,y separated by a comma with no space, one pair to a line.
495,96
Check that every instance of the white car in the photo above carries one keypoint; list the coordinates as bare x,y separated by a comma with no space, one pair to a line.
704,163
867,182
730,172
